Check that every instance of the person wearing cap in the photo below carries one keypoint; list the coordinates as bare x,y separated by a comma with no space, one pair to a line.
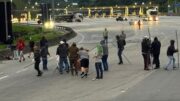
105,55
170,52
145,49
62,52
155,51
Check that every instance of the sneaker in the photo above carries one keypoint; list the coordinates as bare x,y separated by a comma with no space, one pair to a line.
165,69
94,79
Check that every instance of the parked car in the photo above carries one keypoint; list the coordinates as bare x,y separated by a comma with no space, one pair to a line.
120,18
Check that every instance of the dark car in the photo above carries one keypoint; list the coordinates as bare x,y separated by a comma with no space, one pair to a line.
120,18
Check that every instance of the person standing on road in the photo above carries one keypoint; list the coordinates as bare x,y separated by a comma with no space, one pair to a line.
105,35
105,55
155,51
20,47
62,52
37,60
31,46
73,57
139,24
44,55
170,51
120,43
98,64
84,60
145,49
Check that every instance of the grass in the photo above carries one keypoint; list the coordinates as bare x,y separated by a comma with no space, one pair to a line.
27,31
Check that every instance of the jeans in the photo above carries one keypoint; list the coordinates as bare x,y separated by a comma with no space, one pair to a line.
99,71
63,62
171,59
44,60
104,62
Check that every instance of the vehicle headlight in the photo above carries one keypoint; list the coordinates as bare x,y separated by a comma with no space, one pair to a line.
157,18
135,22
150,18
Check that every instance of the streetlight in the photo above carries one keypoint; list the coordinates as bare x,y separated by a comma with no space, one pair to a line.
143,3
36,3
135,3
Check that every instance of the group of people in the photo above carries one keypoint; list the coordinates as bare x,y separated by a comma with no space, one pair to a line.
79,59
153,49
73,59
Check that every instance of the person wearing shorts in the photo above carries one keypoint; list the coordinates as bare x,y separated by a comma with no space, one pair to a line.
84,57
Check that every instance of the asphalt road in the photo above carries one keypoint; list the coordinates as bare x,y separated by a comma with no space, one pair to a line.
128,82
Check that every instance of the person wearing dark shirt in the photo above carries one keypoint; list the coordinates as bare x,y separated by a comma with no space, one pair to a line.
73,57
44,52
145,49
170,52
62,52
37,60
155,51
120,44
43,42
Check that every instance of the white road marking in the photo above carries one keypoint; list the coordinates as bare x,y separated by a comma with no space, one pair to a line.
82,39
1,78
22,70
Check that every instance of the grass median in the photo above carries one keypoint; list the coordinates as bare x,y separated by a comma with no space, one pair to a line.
35,32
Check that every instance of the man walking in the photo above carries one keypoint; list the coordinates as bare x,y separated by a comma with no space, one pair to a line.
155,51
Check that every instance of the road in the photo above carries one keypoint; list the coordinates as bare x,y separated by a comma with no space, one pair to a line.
127,82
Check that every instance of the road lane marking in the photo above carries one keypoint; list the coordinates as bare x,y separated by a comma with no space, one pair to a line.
1,78
22,70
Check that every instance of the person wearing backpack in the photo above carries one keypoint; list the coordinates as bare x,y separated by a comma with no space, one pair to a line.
98,64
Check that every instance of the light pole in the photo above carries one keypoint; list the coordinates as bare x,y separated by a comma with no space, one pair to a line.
53,10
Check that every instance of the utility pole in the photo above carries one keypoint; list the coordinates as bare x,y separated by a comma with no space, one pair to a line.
53,10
